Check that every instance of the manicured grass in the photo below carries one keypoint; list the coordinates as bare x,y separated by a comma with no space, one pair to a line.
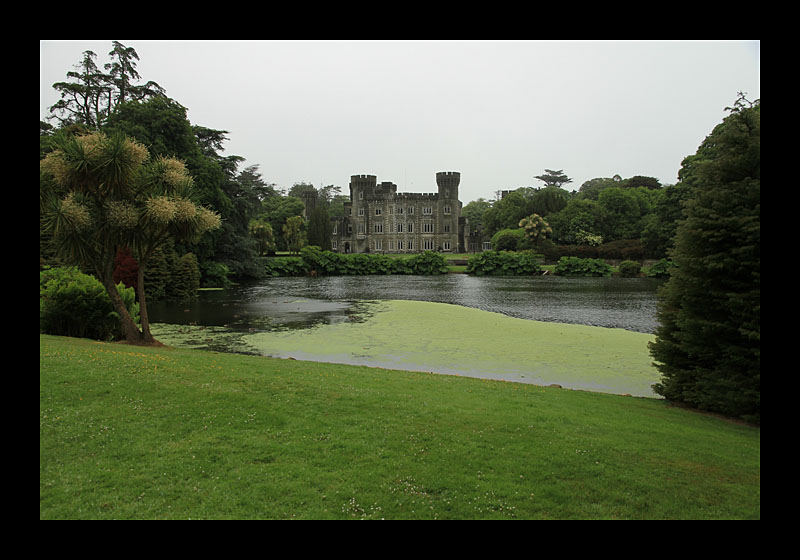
166,433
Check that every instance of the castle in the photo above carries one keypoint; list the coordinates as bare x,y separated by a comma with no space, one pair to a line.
378,219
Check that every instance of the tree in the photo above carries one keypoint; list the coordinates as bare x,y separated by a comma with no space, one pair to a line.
279,209
548,200
554,178
122,73
93,95
474,212
707,346
508,211
536,229
84,100
261,231
293,233
110,194
319,228
581,221
624,209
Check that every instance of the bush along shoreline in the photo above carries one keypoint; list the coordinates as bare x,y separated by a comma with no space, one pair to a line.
314,261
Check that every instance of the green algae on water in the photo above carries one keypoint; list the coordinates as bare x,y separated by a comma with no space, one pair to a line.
451,339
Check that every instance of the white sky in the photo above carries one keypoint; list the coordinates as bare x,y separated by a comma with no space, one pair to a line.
500,112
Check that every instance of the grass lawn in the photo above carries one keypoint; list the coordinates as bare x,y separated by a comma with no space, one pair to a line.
168,433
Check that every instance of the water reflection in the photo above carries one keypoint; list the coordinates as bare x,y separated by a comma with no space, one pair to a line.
282,303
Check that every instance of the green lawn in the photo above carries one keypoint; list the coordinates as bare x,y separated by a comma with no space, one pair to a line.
167,433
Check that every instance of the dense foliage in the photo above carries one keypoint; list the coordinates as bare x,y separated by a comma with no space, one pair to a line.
327,263
503,263
708,344
107,193
575,266
72,303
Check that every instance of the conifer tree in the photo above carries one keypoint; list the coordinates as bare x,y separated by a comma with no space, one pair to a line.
707,346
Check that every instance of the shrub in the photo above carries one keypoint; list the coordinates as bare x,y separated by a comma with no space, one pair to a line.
660,269
623,249
503,263
630,269
284,266
428,263
72,303
509,240
215,275
574,266
186,278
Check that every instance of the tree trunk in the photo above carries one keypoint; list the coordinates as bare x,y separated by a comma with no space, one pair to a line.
147,337
129,328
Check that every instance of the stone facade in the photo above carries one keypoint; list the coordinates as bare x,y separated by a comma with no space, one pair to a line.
378,219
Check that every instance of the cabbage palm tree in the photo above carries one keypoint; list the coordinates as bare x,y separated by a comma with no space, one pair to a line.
110,194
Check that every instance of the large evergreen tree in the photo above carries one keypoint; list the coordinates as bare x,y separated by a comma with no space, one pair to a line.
91,96
708,343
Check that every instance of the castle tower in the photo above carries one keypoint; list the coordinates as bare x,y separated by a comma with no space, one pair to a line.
448,182
362,186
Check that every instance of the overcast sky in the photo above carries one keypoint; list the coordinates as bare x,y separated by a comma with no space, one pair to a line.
499,112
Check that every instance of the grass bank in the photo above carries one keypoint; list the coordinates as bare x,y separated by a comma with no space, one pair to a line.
167,433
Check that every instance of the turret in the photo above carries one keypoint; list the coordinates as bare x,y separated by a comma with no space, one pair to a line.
364,184
448,181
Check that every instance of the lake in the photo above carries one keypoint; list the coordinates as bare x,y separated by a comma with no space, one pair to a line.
291,303
541,330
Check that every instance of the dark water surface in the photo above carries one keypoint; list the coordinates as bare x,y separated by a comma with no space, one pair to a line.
279,303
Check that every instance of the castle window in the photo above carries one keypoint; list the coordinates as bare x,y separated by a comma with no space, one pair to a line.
399,228
335,229
361,211
399,209
361,228
410,228
378,211
410,245
447,228
446,209
427,227
399,245
334,245
410,209
446,245
427,244
378,228
427,210
378,245
361,195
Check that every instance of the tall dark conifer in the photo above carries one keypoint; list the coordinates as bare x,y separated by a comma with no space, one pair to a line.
708,344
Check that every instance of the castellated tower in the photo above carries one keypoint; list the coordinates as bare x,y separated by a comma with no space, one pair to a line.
362,186
448,181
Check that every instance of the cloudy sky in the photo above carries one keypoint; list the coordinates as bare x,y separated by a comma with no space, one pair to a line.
500,112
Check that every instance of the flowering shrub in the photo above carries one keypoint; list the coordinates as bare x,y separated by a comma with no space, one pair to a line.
536,227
